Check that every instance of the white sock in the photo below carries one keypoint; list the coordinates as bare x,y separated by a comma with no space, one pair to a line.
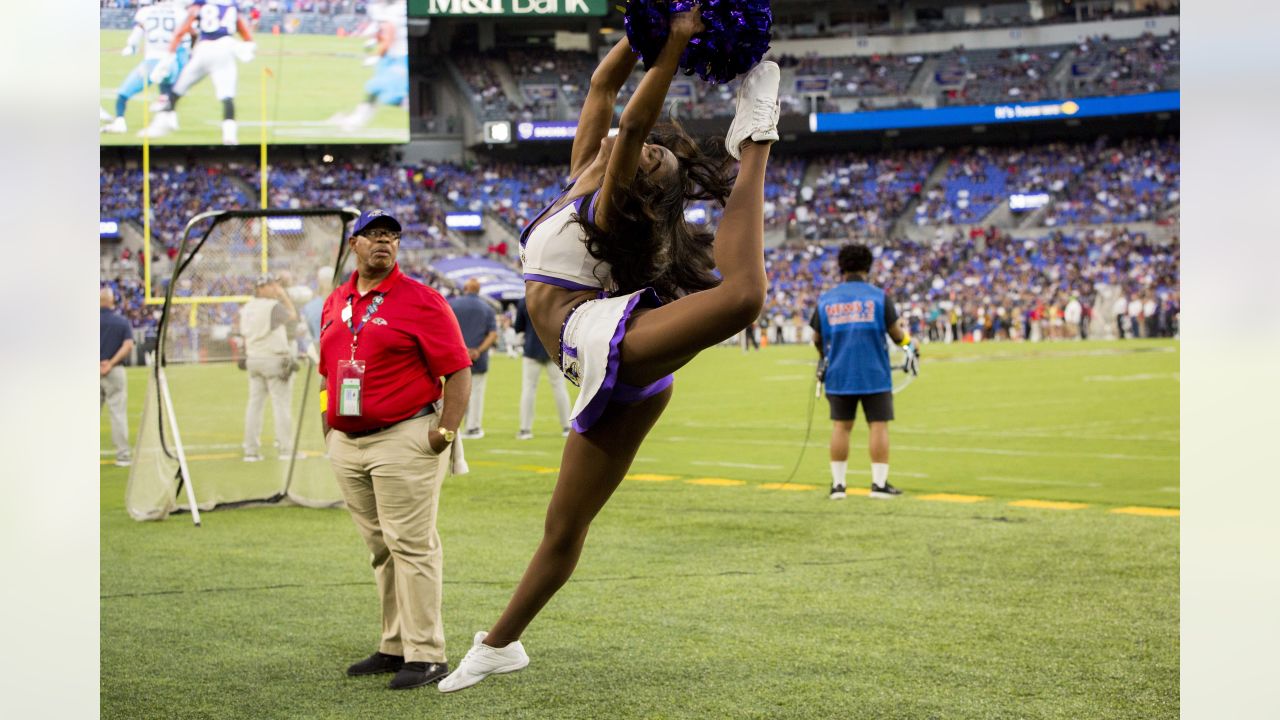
838,470
879,474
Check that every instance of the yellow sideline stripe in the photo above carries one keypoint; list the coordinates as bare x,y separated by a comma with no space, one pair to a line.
1048,504
951,498
539,469
1147,511
718,482
785,487
650,477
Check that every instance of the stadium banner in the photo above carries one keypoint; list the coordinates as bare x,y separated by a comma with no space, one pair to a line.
464,221
547,130
812,84
496,280
992,114
508,8
109,229
291,77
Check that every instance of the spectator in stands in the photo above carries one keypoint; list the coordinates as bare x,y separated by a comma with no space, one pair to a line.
115,343
479,325
268,324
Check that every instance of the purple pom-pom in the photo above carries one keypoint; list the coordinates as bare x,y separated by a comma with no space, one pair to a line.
737,35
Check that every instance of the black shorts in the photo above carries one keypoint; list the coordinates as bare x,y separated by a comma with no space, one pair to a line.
878,407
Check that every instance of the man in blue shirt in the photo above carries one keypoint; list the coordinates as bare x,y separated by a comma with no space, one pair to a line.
115,342
537,361
850,323
479,325
311,310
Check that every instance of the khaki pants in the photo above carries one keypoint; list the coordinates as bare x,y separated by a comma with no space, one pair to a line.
391,482
113,392
269,376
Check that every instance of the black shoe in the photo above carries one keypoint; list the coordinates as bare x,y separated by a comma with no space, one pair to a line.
837,492
376,664
417,674
887,491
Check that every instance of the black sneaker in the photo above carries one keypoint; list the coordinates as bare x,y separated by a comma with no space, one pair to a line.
376,664
837,493
417,674
887,491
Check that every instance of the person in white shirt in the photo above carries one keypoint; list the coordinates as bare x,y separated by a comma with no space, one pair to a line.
267,323
1071,315
1118,309
1135,317
1149,316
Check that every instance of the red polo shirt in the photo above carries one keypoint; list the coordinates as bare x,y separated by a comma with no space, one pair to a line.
408,345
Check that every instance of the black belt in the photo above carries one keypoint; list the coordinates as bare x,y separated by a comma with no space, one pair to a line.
364,433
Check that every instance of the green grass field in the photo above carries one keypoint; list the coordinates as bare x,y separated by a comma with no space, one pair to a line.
313,77
706,589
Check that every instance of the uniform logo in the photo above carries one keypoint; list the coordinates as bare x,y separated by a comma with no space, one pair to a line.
858,311
378,321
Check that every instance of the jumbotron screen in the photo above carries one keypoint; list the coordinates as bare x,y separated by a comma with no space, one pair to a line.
216,72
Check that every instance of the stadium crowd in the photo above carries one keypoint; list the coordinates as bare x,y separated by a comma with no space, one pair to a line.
961,76
824,198
986,285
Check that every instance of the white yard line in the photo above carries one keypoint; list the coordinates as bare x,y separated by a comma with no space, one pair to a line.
736,465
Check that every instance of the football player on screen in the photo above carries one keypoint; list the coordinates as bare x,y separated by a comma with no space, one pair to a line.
154,27
390,82
215,55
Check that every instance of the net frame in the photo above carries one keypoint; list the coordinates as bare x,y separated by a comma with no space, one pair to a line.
159,395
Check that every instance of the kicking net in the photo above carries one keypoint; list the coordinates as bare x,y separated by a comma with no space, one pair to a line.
223,426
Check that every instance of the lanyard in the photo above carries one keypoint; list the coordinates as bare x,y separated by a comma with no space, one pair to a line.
368,313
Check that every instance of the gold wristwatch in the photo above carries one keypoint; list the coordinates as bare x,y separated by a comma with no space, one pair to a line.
448,435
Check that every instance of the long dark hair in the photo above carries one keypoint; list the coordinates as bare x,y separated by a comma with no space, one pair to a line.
649,243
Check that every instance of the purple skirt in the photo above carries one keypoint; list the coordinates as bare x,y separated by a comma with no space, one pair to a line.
590,355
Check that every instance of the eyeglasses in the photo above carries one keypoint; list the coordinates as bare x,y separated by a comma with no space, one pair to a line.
380,234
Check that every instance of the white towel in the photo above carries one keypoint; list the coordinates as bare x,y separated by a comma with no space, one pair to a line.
457,461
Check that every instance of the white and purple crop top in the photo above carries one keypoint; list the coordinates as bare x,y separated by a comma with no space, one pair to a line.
553,250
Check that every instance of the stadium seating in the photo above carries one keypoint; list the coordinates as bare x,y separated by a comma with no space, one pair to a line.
811,200
553,84
862,194
980,77
987,278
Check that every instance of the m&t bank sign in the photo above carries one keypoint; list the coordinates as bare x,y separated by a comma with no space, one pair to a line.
507,8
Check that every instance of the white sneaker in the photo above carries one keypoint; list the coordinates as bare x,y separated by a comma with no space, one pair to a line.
116,126
482,661
472,434
756,115
162,124
524,435
564,432
358,118
229,132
